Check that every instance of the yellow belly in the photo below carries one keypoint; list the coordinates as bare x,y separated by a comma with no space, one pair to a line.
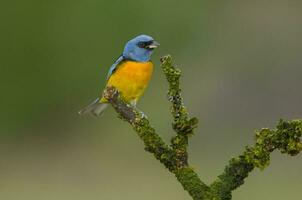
131,79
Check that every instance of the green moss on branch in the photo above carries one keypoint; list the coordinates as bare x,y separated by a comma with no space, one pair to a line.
173,159
192,183
153,142
286,138
182,124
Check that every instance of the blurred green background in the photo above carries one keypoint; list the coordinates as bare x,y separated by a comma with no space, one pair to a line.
242,70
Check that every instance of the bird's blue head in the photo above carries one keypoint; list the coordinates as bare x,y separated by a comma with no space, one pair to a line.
140,48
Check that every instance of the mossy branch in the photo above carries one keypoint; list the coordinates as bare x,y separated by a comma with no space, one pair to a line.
182,124
286,137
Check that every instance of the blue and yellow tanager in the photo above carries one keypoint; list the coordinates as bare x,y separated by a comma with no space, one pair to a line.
130,73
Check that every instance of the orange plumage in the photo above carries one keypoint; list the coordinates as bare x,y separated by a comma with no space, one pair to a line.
131,79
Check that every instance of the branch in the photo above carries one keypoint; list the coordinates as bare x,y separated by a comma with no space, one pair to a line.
155,145
182,124
286,138
153,142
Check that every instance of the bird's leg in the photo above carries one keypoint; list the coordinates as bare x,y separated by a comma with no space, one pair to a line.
142,114
133,103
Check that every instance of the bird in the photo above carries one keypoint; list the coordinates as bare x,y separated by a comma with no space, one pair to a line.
129,74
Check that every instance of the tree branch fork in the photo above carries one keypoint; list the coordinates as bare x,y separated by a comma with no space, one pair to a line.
286,137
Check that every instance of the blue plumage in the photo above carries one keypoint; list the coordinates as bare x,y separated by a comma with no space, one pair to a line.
114,66
133,50
138,49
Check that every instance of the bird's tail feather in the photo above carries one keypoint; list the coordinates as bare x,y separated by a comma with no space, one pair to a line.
96,108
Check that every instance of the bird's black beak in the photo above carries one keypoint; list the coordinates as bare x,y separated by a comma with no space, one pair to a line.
153,45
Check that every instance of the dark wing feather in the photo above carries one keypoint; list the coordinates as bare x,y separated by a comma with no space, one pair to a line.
115,66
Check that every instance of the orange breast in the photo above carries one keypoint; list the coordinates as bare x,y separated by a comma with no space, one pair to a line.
131,79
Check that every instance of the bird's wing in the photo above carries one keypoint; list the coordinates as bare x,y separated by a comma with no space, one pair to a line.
115,66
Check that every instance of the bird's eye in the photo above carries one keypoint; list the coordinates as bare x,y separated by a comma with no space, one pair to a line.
141,44
144,45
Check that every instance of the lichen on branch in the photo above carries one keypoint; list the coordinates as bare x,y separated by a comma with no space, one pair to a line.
182,124
286,137
153,142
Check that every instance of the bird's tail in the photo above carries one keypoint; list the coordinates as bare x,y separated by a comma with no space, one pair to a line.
96,108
